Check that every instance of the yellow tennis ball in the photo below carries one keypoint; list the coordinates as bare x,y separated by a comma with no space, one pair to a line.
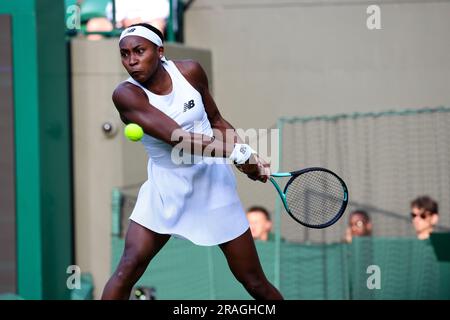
133,132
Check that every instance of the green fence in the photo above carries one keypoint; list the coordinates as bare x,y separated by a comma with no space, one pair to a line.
408,269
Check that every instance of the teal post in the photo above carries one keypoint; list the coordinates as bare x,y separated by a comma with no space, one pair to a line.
116,199
55,147
170,31
42,148
278,208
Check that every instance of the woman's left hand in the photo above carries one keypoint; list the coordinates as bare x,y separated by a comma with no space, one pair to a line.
256,168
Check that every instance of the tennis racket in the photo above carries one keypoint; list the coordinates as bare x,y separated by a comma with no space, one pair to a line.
314,197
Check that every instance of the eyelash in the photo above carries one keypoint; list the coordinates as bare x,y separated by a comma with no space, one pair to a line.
139,51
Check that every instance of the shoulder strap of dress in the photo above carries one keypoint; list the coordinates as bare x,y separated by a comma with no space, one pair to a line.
170,66
175,72
131,80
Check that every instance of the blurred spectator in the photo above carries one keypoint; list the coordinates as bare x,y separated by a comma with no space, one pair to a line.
98,24
359,225
260,223
128,12
424,215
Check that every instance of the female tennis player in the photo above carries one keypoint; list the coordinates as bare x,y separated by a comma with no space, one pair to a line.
195,201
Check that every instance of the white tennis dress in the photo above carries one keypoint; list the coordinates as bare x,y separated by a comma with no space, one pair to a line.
199,201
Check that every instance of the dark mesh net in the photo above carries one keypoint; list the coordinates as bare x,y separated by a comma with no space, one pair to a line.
315,198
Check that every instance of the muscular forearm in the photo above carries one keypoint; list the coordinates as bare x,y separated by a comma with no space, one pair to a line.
223,128
200,144
224,143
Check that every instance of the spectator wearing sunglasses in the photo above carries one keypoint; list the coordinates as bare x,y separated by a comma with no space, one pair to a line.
424,215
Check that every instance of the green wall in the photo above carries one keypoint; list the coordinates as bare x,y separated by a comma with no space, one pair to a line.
42,142
408,270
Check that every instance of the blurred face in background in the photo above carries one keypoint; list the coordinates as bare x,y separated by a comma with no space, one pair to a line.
359,226
423,222
260,226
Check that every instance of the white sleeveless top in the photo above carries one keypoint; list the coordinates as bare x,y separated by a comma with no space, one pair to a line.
197,201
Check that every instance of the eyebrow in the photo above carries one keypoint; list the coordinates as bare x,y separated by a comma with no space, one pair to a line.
134,48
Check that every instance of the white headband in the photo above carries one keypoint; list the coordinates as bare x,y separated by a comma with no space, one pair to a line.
142,32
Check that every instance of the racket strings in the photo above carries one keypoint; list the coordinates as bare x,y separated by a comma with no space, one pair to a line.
315,198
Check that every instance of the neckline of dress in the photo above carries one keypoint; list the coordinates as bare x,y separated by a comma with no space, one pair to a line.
171,93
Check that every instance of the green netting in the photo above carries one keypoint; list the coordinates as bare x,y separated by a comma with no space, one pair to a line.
313,271
408,270
86,290
186,271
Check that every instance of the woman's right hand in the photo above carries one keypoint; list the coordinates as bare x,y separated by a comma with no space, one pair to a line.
256,168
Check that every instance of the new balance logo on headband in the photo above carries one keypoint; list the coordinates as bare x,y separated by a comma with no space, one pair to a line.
188,105
131,30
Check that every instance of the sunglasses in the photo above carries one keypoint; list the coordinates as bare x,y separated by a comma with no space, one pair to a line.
423,215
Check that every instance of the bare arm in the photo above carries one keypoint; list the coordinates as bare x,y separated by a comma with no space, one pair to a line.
134,107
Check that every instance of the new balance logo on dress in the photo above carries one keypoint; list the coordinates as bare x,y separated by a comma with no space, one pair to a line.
188,105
